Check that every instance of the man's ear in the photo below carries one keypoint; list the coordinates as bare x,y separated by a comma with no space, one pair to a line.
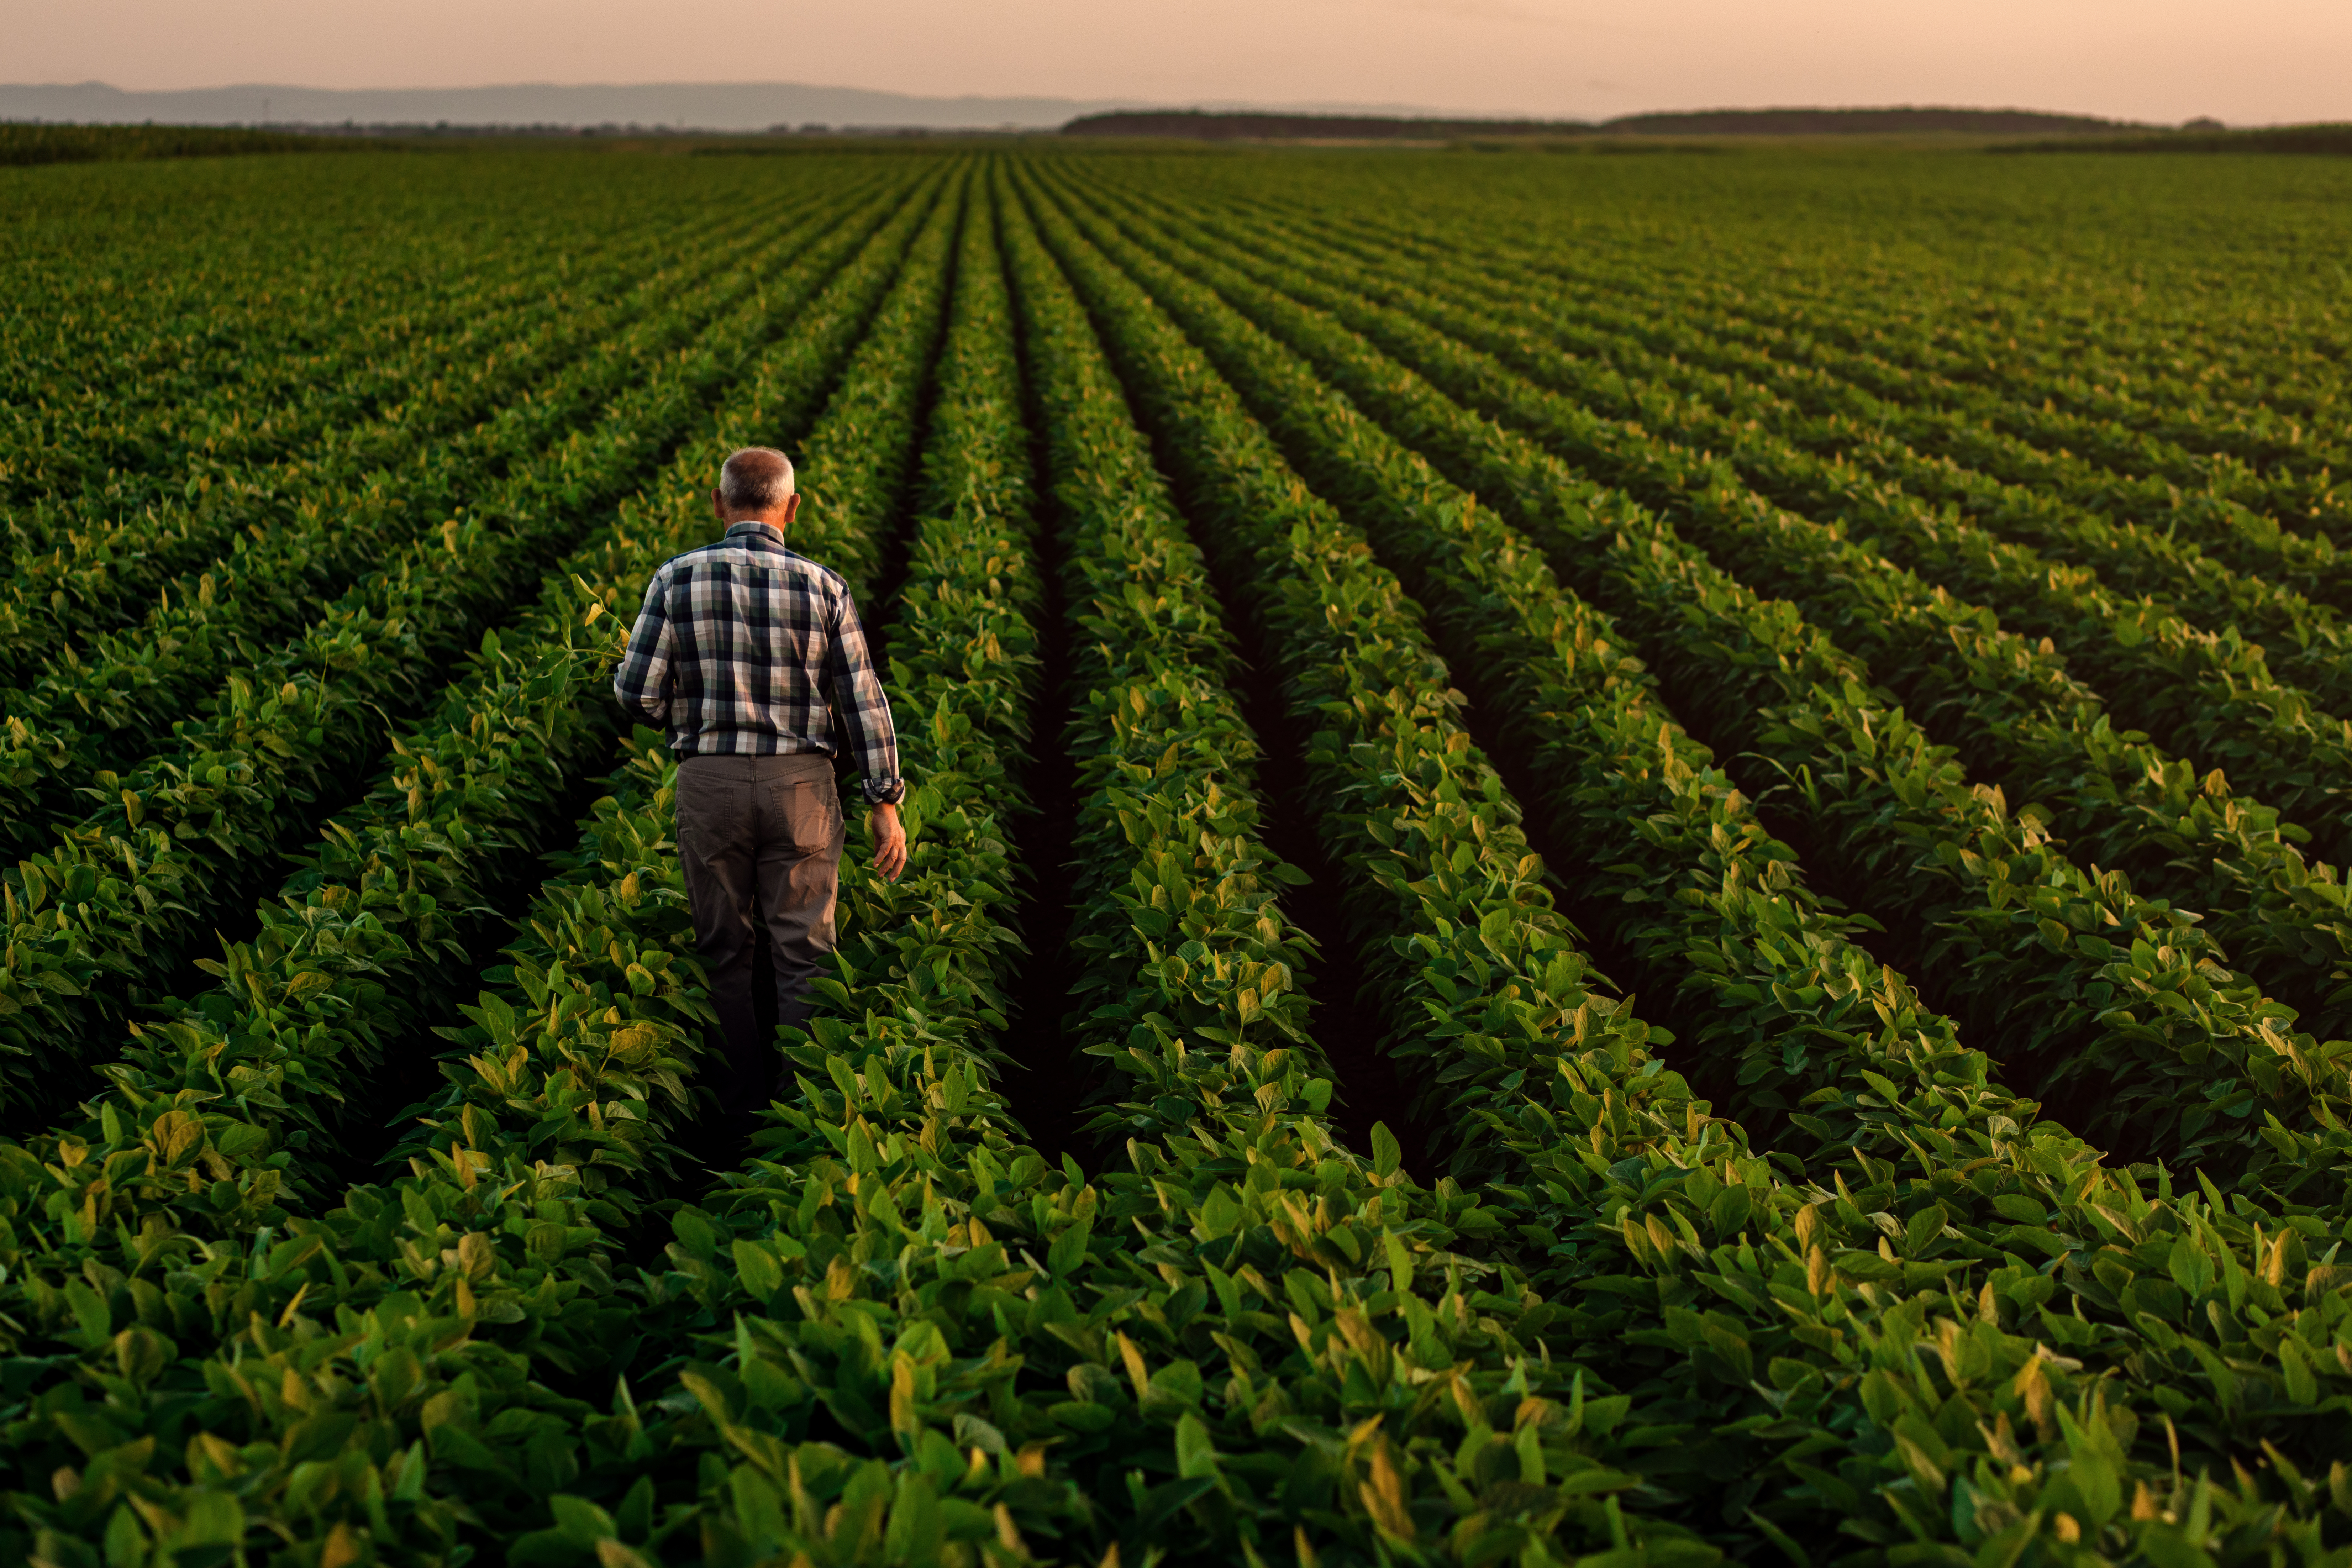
718,504
791,506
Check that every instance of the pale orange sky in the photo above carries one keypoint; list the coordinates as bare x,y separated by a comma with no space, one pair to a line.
2249,61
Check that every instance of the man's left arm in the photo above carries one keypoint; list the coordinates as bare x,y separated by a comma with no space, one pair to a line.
865,709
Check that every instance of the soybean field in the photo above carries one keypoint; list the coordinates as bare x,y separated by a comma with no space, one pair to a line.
1616,860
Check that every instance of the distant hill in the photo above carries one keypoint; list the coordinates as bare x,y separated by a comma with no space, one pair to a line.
701,106
792,106
1211,126
722,106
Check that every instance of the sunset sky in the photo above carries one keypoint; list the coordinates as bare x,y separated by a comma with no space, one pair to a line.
2248,62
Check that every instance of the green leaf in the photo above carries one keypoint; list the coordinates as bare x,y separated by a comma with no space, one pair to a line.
1195,1455
215,1517
583,1523
94,1325
1730,1211
761,1271
142,1353
2094,1464
1069,1253
916,1529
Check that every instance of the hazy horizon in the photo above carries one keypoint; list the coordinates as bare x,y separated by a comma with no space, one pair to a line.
2156,60
704,106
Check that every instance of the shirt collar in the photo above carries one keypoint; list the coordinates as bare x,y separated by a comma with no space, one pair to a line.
770,529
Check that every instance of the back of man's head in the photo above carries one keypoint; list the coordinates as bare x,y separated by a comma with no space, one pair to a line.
755,479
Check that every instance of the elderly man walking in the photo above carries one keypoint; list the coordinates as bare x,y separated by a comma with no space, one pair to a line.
743,652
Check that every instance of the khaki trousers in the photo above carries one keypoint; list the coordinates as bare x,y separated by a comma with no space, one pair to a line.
759,839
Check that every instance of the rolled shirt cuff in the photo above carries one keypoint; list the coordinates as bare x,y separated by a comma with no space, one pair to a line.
882,791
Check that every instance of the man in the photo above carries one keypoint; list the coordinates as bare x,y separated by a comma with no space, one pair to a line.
742,652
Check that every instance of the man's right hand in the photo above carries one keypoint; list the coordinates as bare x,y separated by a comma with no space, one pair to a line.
889,840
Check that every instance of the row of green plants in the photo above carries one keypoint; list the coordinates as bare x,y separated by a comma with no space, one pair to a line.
120,372
2248,574
2215,357
487,1274
110,909
905,1335
1472,967
837,1298
1622,315
2209,696
1836,404
2248,413
903,1215
85,703
102,457
2127,804
2122,802
2202,379
155,333
513,380
1994,1150
1893,415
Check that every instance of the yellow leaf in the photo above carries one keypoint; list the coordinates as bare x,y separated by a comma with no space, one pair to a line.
1383,1496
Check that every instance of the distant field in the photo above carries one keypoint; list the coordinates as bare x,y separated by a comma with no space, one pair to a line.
1616,861
23,144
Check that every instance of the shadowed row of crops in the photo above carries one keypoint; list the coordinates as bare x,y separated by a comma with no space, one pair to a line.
1572,900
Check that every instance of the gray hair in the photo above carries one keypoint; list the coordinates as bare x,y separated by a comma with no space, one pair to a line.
755,478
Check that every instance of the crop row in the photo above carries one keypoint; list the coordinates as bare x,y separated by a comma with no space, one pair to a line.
102,459
2202,377
2248,572
882,1286
397,470
118,897
2211,382
1995,1170
453,1290
195,346
2211,696
2128,802
1891,1302
90,700
1865,398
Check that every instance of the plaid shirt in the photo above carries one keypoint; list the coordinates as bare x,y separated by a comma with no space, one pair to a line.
739,648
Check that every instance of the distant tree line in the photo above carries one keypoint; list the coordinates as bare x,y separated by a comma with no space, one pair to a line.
36,143
1211,126
2323,139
